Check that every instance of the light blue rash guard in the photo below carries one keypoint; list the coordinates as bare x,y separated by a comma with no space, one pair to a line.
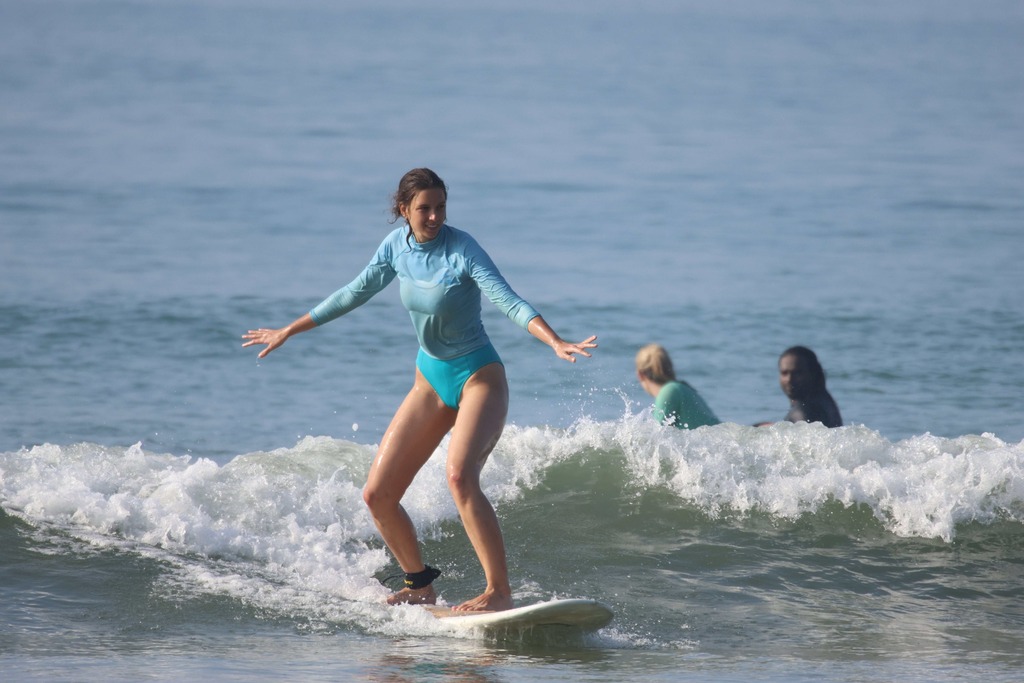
440,283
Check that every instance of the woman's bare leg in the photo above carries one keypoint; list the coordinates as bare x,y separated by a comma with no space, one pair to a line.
481,418
414,433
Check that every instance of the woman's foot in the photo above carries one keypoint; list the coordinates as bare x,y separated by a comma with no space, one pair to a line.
414,596
488,601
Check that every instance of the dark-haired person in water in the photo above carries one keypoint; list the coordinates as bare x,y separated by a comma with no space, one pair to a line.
803,380
459,385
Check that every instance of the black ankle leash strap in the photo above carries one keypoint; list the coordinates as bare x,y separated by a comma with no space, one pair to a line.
421,579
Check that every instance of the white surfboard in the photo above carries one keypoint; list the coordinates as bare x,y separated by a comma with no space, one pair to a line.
586,615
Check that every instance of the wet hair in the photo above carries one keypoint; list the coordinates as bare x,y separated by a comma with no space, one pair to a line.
413,182
809,359
652,361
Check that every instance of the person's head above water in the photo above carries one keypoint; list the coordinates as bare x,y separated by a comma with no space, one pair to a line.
421,199
654,364
800,373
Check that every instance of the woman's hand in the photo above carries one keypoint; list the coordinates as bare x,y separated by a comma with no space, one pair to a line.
272,338
564,349
275,338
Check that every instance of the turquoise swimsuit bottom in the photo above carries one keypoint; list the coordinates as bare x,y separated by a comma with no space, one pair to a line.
447,377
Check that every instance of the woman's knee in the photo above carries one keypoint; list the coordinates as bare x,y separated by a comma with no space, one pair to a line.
463,485
376,498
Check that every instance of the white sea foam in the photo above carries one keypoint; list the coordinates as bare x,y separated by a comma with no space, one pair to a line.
922,486
288,530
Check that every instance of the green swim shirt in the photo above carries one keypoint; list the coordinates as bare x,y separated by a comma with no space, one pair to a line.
680,405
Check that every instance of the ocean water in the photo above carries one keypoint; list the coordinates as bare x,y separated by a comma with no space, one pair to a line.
727,179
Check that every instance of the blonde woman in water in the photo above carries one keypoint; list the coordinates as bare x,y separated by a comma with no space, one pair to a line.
675,402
